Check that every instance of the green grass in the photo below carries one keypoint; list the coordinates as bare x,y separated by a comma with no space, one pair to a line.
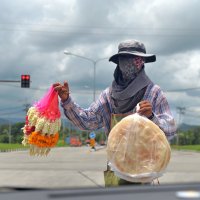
186,147
61,143
6,146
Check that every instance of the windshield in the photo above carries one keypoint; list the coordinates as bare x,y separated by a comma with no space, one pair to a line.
44,43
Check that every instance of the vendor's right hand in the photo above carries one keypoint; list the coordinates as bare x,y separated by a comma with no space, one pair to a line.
63,90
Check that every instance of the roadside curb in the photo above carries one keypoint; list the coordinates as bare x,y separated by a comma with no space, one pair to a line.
10,150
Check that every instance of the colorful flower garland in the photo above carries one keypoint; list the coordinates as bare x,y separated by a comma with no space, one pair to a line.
42,125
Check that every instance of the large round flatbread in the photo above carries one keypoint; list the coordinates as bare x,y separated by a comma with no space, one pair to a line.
136,145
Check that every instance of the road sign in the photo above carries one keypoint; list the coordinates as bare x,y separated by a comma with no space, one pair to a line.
92,135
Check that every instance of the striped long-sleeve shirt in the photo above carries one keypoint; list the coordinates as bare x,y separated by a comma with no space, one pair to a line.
98,115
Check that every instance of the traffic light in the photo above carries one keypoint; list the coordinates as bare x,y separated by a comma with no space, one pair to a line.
25,81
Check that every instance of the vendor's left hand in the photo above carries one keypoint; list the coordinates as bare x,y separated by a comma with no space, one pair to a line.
145,108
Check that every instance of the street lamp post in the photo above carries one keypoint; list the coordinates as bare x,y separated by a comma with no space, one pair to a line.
94,62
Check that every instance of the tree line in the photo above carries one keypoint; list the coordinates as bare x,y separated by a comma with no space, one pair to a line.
189,137
14,134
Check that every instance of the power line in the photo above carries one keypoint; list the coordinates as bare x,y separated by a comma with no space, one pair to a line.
194,116
10,108
11,113
183,89
103,32
84,92
103,27
80,91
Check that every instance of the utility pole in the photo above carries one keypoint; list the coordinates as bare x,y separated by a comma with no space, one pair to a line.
27,106
9,131
63,130
181,112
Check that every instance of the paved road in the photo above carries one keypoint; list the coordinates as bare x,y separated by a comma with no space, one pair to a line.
78,167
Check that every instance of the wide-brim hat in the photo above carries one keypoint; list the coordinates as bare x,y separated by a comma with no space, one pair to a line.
132,47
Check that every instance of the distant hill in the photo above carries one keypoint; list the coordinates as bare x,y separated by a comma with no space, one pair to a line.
186,127
12,120
66,123
16,120
3,121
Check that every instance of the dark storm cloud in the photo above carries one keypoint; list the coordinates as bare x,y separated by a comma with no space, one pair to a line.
34,35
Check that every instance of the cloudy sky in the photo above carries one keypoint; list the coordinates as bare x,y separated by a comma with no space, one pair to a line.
35,34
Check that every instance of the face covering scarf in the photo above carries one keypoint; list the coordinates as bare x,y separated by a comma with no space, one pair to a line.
130,66
129,85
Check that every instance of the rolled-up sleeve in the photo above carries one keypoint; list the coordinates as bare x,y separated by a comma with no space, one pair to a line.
161,110
84,119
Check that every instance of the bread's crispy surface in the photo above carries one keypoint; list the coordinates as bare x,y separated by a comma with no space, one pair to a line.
136,145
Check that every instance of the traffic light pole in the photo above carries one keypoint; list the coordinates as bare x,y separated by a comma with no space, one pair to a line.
25,81
9,81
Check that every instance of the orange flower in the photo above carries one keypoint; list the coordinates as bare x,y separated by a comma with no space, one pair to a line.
43,140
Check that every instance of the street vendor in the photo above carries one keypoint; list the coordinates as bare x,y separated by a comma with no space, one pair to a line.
131,87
